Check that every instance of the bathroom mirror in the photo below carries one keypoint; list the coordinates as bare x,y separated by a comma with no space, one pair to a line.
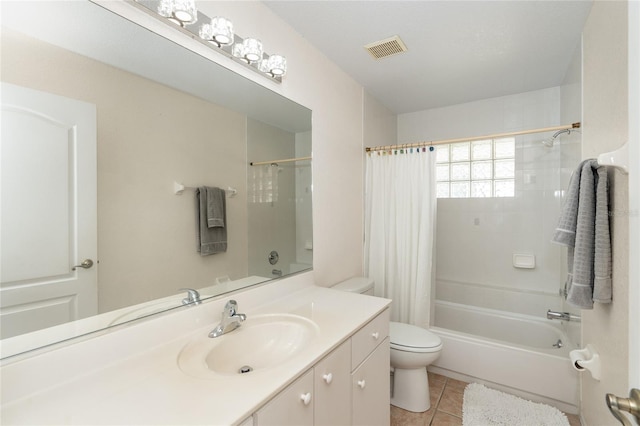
163,117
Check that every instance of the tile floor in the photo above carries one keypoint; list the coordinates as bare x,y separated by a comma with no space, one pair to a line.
446,406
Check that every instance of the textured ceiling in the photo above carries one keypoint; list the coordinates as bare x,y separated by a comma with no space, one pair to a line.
458,51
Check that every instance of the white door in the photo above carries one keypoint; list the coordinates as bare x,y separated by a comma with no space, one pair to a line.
47,211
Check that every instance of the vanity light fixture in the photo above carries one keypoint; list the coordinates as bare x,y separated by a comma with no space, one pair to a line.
182,12
218,34
277,65
219,31
251,50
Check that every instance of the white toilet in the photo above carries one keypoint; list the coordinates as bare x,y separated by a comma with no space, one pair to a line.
412,350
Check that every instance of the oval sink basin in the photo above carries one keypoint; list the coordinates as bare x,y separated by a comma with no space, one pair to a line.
262,342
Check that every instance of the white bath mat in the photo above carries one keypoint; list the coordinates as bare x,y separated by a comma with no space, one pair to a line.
487,407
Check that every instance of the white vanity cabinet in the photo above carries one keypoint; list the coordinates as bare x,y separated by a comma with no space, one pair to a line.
350,386
370,387
332,385
293,406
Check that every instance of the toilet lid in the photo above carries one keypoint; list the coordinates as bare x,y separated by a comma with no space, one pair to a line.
407,337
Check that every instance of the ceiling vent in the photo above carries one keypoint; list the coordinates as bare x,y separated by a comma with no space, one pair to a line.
387,47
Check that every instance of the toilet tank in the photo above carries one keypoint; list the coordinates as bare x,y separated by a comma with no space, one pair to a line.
362,285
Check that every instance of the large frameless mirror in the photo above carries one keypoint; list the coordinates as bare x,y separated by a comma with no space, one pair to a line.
107,131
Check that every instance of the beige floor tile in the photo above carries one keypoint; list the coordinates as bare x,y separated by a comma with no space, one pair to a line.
446,397
456,385
400,417
444,419
436,378
574,420
436,387
451,400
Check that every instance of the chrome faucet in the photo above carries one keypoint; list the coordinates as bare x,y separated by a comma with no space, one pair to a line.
562,316
193,297
231,319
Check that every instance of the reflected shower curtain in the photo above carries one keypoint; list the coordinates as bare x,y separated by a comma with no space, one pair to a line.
400,214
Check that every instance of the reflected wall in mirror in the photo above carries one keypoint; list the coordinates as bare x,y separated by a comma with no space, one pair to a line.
161,114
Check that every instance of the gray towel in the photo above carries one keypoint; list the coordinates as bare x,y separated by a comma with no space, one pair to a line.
216,198
584,228
210,240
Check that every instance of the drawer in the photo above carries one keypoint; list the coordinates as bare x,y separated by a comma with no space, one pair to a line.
368,338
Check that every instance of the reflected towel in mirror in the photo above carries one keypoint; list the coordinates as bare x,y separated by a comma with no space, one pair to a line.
210,240
215,207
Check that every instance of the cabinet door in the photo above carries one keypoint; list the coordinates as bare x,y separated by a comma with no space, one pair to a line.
293,406
370,389
368,338
332,386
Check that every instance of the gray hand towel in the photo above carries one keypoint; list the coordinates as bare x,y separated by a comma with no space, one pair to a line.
210,240
584,228
216,198
602,265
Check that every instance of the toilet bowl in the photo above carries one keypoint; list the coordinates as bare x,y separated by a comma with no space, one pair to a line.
412,349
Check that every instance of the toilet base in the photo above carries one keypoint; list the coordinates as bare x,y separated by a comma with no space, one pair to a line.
411,390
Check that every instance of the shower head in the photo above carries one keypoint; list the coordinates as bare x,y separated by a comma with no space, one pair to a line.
549,141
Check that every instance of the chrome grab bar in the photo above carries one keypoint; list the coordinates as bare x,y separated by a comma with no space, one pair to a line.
630,405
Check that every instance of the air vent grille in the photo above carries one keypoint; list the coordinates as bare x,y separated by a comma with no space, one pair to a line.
384,48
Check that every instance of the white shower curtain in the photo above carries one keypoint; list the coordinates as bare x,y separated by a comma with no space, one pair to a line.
400,214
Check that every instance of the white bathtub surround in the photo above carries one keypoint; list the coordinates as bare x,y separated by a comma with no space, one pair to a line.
130,375
400,211
513,353
534,302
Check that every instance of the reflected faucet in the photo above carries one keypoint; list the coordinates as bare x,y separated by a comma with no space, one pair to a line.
230,319
193,297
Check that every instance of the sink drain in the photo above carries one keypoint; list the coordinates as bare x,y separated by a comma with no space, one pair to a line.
245,369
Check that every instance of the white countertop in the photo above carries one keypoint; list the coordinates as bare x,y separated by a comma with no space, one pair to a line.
131,375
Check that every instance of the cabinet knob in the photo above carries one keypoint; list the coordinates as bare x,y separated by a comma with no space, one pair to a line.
361,384
306,398
328,378
375,335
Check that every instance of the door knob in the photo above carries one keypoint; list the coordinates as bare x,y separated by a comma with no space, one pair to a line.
630,405
86,264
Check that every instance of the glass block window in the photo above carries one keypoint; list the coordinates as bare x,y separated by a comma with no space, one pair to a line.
476,169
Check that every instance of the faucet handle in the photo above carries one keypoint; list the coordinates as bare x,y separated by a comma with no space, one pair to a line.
231,307
231,311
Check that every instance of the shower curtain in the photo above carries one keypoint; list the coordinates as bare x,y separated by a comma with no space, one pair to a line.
400,214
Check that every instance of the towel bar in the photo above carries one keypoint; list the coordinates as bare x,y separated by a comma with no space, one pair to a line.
618,158
179,188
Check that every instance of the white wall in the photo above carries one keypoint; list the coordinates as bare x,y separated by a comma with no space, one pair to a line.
605,118
476,238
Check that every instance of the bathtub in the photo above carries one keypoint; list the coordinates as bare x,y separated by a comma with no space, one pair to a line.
511,352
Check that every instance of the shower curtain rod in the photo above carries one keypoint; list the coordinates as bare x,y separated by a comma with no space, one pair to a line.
474,138
275,162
